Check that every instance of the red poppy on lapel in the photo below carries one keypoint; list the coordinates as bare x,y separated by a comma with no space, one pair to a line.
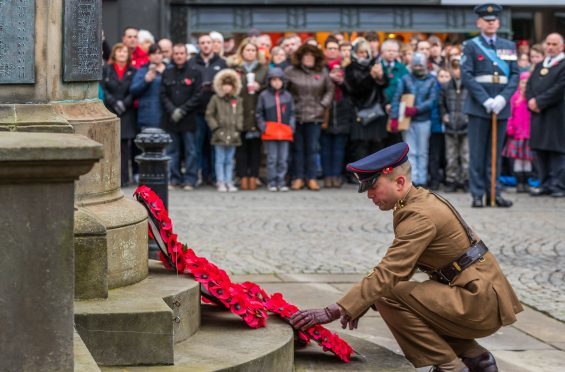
188,81
317,77
481,57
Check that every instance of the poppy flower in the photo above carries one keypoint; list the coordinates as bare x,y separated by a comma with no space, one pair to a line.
480,57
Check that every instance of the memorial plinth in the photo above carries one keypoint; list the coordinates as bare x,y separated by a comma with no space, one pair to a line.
57,44
37,174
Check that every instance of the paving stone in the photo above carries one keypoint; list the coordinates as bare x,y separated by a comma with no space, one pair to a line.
339,232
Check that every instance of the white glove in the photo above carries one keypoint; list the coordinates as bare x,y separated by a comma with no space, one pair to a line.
498,104
488,105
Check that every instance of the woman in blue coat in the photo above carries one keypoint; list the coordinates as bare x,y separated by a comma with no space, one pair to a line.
145,88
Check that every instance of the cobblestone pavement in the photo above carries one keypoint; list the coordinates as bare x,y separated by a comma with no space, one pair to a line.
341,232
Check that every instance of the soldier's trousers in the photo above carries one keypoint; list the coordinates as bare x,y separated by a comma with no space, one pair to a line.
426,338
479,133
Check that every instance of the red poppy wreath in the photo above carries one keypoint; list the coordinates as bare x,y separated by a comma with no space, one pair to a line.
247,300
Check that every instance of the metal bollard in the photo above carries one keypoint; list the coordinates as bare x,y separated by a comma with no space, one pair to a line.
154,168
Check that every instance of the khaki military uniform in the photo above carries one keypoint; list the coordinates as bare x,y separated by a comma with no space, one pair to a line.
433,322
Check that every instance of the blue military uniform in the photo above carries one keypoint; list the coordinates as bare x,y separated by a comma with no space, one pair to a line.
488,69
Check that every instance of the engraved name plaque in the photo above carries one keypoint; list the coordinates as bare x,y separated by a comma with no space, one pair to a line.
17,41
82,43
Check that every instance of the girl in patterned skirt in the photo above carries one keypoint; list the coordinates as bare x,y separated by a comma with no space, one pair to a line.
518,135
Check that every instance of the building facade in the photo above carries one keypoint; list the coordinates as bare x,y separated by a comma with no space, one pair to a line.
178,19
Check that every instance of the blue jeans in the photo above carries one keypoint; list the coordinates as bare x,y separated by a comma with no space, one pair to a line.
306,146
186,141
224,163
277,162
333,153
204,151
418,139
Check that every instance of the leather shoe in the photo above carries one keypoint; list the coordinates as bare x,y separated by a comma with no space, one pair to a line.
297,184
450,187
477,202
500,202
313,185
484,362
539,191
558,194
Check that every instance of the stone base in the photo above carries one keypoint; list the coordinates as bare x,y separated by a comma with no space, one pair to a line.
370,357
139,324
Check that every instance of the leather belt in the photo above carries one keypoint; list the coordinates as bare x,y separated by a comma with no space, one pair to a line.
491,79
449,272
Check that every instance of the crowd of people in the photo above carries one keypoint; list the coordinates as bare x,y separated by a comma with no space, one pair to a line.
310,108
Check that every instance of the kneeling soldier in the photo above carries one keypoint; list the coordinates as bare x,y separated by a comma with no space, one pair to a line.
467,296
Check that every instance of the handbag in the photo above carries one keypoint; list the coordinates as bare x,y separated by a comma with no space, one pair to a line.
371,114
277,130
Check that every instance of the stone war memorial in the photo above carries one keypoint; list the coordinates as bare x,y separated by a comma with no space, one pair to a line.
78,291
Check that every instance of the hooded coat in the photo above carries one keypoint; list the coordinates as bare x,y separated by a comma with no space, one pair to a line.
224,114
312,88
267,104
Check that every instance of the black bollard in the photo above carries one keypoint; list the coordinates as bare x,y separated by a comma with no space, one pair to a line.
154,168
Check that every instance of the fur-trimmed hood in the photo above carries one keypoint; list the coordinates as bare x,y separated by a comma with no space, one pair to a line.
222,76
319,63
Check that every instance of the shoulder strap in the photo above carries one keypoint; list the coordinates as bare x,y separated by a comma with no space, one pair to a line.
491,54
470,233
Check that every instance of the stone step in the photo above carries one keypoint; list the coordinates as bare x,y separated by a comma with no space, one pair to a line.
83,360
370,357
139,324
225,343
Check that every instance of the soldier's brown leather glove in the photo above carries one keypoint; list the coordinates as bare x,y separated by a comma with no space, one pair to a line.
305,319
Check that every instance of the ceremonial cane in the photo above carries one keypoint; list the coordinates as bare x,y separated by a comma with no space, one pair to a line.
493,161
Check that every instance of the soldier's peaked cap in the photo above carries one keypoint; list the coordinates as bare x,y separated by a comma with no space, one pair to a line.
382,161
488,11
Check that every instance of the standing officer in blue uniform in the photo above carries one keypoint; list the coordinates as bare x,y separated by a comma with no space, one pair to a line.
490,73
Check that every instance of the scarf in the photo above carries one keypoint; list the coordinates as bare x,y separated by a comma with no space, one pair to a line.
250,66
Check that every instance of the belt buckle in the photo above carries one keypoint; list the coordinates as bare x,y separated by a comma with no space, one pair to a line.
496,79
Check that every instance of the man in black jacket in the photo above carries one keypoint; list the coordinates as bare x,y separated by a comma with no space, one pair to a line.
208,64
180,96
545,93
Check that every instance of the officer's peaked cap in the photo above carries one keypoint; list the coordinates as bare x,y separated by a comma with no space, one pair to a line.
488,11
382,161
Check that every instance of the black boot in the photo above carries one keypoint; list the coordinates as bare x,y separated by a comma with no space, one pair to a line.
521,182
481,363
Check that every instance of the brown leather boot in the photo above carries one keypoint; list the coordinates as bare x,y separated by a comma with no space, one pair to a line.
337,182
297,184
328,182
481,363
252,183
244,183
313,185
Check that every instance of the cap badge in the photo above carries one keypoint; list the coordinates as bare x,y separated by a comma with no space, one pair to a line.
490,9
387,170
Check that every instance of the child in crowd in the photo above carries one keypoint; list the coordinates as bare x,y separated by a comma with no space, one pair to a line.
436,165
276,120
452,97
518,135
224,115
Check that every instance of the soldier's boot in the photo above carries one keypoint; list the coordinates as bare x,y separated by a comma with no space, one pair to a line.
484,362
